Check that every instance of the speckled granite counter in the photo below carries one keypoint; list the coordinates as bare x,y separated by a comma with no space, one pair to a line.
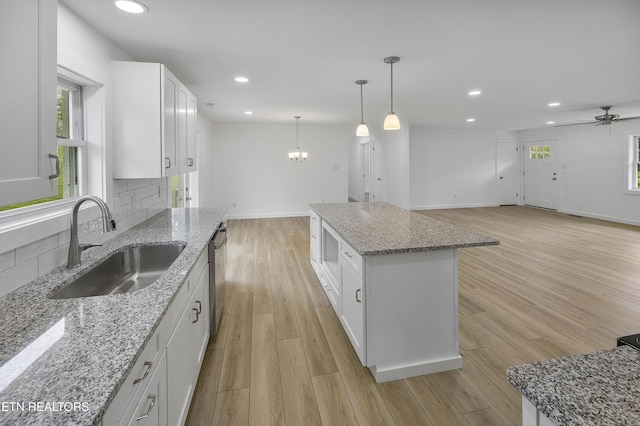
598,388
380,228
80,350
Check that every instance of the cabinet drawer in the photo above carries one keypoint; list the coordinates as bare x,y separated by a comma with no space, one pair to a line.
177,306
135,383
314,224
348,256
151,406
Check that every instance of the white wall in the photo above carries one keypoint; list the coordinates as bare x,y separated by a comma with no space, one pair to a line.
246,167
396,150
593,174
453,168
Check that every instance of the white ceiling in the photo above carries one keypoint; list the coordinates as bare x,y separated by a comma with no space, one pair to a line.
303,56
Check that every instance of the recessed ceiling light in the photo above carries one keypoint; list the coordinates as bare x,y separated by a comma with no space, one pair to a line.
474,93
470,120
241,79
248,113
554,104
551,122
131,6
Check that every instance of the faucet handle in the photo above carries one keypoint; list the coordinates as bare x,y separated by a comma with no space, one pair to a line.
83,247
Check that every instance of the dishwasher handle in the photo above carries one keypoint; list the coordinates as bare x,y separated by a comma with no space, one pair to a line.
217,243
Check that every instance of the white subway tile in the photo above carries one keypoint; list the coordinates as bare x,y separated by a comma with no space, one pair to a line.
18,276
52,259
7,260
36,248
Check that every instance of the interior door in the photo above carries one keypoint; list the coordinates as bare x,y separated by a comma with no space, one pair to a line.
377,172
541,174
507,172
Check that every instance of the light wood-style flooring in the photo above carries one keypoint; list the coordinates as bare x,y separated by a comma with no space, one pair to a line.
557,285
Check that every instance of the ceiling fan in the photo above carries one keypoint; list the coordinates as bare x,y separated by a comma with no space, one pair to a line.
604,119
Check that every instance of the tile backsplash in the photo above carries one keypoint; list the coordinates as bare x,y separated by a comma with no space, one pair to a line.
134,201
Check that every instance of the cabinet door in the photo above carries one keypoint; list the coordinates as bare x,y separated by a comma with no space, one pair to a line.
199,327
151,409
28,107
189,152
353,310
179,385
170,123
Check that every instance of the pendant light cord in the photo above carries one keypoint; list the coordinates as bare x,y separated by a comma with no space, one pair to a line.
392,87
361,106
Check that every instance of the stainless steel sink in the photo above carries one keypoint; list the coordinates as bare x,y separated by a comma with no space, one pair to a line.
123,272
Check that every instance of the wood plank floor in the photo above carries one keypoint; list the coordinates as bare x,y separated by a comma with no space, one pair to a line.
557,285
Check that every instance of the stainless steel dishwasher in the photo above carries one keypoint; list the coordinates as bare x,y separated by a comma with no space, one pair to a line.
217,263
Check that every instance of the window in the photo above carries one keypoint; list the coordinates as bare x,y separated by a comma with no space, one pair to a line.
70,144
634,163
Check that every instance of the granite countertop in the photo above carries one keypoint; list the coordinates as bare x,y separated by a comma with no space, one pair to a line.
598,388
380,228
80,350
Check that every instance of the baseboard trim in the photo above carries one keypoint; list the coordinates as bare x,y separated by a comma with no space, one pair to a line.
397,372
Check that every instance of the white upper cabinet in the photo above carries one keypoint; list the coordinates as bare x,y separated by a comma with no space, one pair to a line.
187,121
153,121
28,107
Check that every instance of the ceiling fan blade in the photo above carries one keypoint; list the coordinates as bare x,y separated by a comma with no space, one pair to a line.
577,124
628,118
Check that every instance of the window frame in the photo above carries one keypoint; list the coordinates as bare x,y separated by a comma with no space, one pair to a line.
633,166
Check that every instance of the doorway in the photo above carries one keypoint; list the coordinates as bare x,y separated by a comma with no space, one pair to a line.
179,195
541,174
366,169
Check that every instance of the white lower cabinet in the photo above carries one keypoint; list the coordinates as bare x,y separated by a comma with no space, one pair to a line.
199,325
352,317
150,409
179,371
160,386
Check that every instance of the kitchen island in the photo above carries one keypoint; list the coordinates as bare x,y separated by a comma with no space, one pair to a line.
391,276
78,361
598,388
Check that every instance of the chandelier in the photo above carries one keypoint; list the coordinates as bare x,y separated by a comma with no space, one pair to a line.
297,155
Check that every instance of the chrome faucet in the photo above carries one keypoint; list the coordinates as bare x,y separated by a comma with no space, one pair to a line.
108,225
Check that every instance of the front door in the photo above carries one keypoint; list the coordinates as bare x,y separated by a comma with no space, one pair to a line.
541,174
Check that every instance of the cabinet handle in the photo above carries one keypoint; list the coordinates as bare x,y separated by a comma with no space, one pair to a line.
346,253
197,316
165,161
357,298
153,402
57,173
314,237
146,372
199,306
189,161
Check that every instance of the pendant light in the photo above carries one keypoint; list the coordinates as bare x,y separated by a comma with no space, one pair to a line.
391,121
362,129
297,156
